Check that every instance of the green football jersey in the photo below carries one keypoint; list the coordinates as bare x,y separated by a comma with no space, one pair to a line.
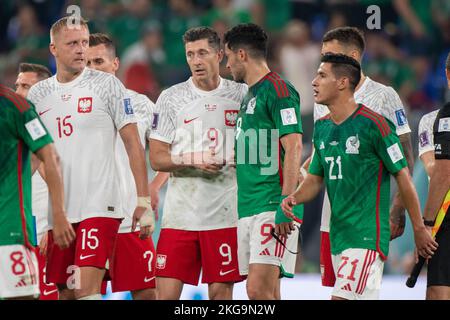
270,110
356,159
20,131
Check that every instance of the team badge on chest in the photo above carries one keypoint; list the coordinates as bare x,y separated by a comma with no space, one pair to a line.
352,145
230,118
85,105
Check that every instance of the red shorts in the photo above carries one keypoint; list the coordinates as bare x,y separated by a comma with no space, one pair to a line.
183,254
133,264
49,291
93,247
326,264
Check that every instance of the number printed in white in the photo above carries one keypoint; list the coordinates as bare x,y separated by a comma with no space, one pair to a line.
92,241
225,251
238,127
150,259
331,161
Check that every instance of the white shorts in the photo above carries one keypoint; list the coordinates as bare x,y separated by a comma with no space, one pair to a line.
18,272
256,244
326,214
358,274
289,259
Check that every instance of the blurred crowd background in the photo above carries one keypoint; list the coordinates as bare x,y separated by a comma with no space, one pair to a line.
407,53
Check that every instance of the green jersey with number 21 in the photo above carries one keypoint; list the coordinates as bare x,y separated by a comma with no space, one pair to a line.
356,159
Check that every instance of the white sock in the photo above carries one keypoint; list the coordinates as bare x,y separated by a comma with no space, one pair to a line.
97,296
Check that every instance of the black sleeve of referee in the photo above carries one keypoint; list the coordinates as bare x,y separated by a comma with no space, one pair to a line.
441,132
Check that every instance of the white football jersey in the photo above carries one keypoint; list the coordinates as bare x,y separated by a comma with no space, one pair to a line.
426,132
379,98
193,120
39,204
143,110
83,117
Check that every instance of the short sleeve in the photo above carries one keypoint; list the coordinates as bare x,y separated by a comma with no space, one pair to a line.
120,106
316,167
426,143
387,145
31,129
441,134
396,111
285,111
164,119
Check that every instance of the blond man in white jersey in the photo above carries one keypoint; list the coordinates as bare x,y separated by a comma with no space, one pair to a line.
192,139
379,98
83,110
131,269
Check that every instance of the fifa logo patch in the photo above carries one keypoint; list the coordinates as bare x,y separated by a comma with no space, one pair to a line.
85,105
423,139
401,117
127,106
161,261
155,120
231,117
352,145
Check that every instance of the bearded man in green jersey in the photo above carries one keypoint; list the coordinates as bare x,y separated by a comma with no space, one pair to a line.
267,152
22,131
356,151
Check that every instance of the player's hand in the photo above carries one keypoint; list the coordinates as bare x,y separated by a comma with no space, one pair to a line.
154,196
63,233
425,243
287,205
43,244
143,214
208,161
397,221
284,228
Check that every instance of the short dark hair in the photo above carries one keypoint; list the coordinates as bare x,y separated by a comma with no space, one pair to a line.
348,36
447,62
200,33
41,71
96,39
248,36
344,66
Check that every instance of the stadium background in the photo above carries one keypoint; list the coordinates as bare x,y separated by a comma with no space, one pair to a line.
408,53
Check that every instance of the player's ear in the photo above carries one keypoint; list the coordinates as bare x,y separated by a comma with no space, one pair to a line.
52,49
116,64
220,55
242,54
343,83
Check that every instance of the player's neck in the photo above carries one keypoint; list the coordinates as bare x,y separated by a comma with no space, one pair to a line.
342,108
361,81
64,76
255,72
208,84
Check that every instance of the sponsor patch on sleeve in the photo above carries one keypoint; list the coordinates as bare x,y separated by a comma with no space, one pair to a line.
127,106
444,125
395,153
35,129
401,117
288,116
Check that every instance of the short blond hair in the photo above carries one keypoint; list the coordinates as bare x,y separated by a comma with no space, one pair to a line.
66,21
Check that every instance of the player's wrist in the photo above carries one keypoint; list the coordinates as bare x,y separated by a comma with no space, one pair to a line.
280,217
144,202
428,222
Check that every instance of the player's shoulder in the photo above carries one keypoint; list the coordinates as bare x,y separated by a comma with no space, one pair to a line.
429,117
13,100
380,88
444,111
177,90
233,85
369,118
140,100
42,89
276,85
101,78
